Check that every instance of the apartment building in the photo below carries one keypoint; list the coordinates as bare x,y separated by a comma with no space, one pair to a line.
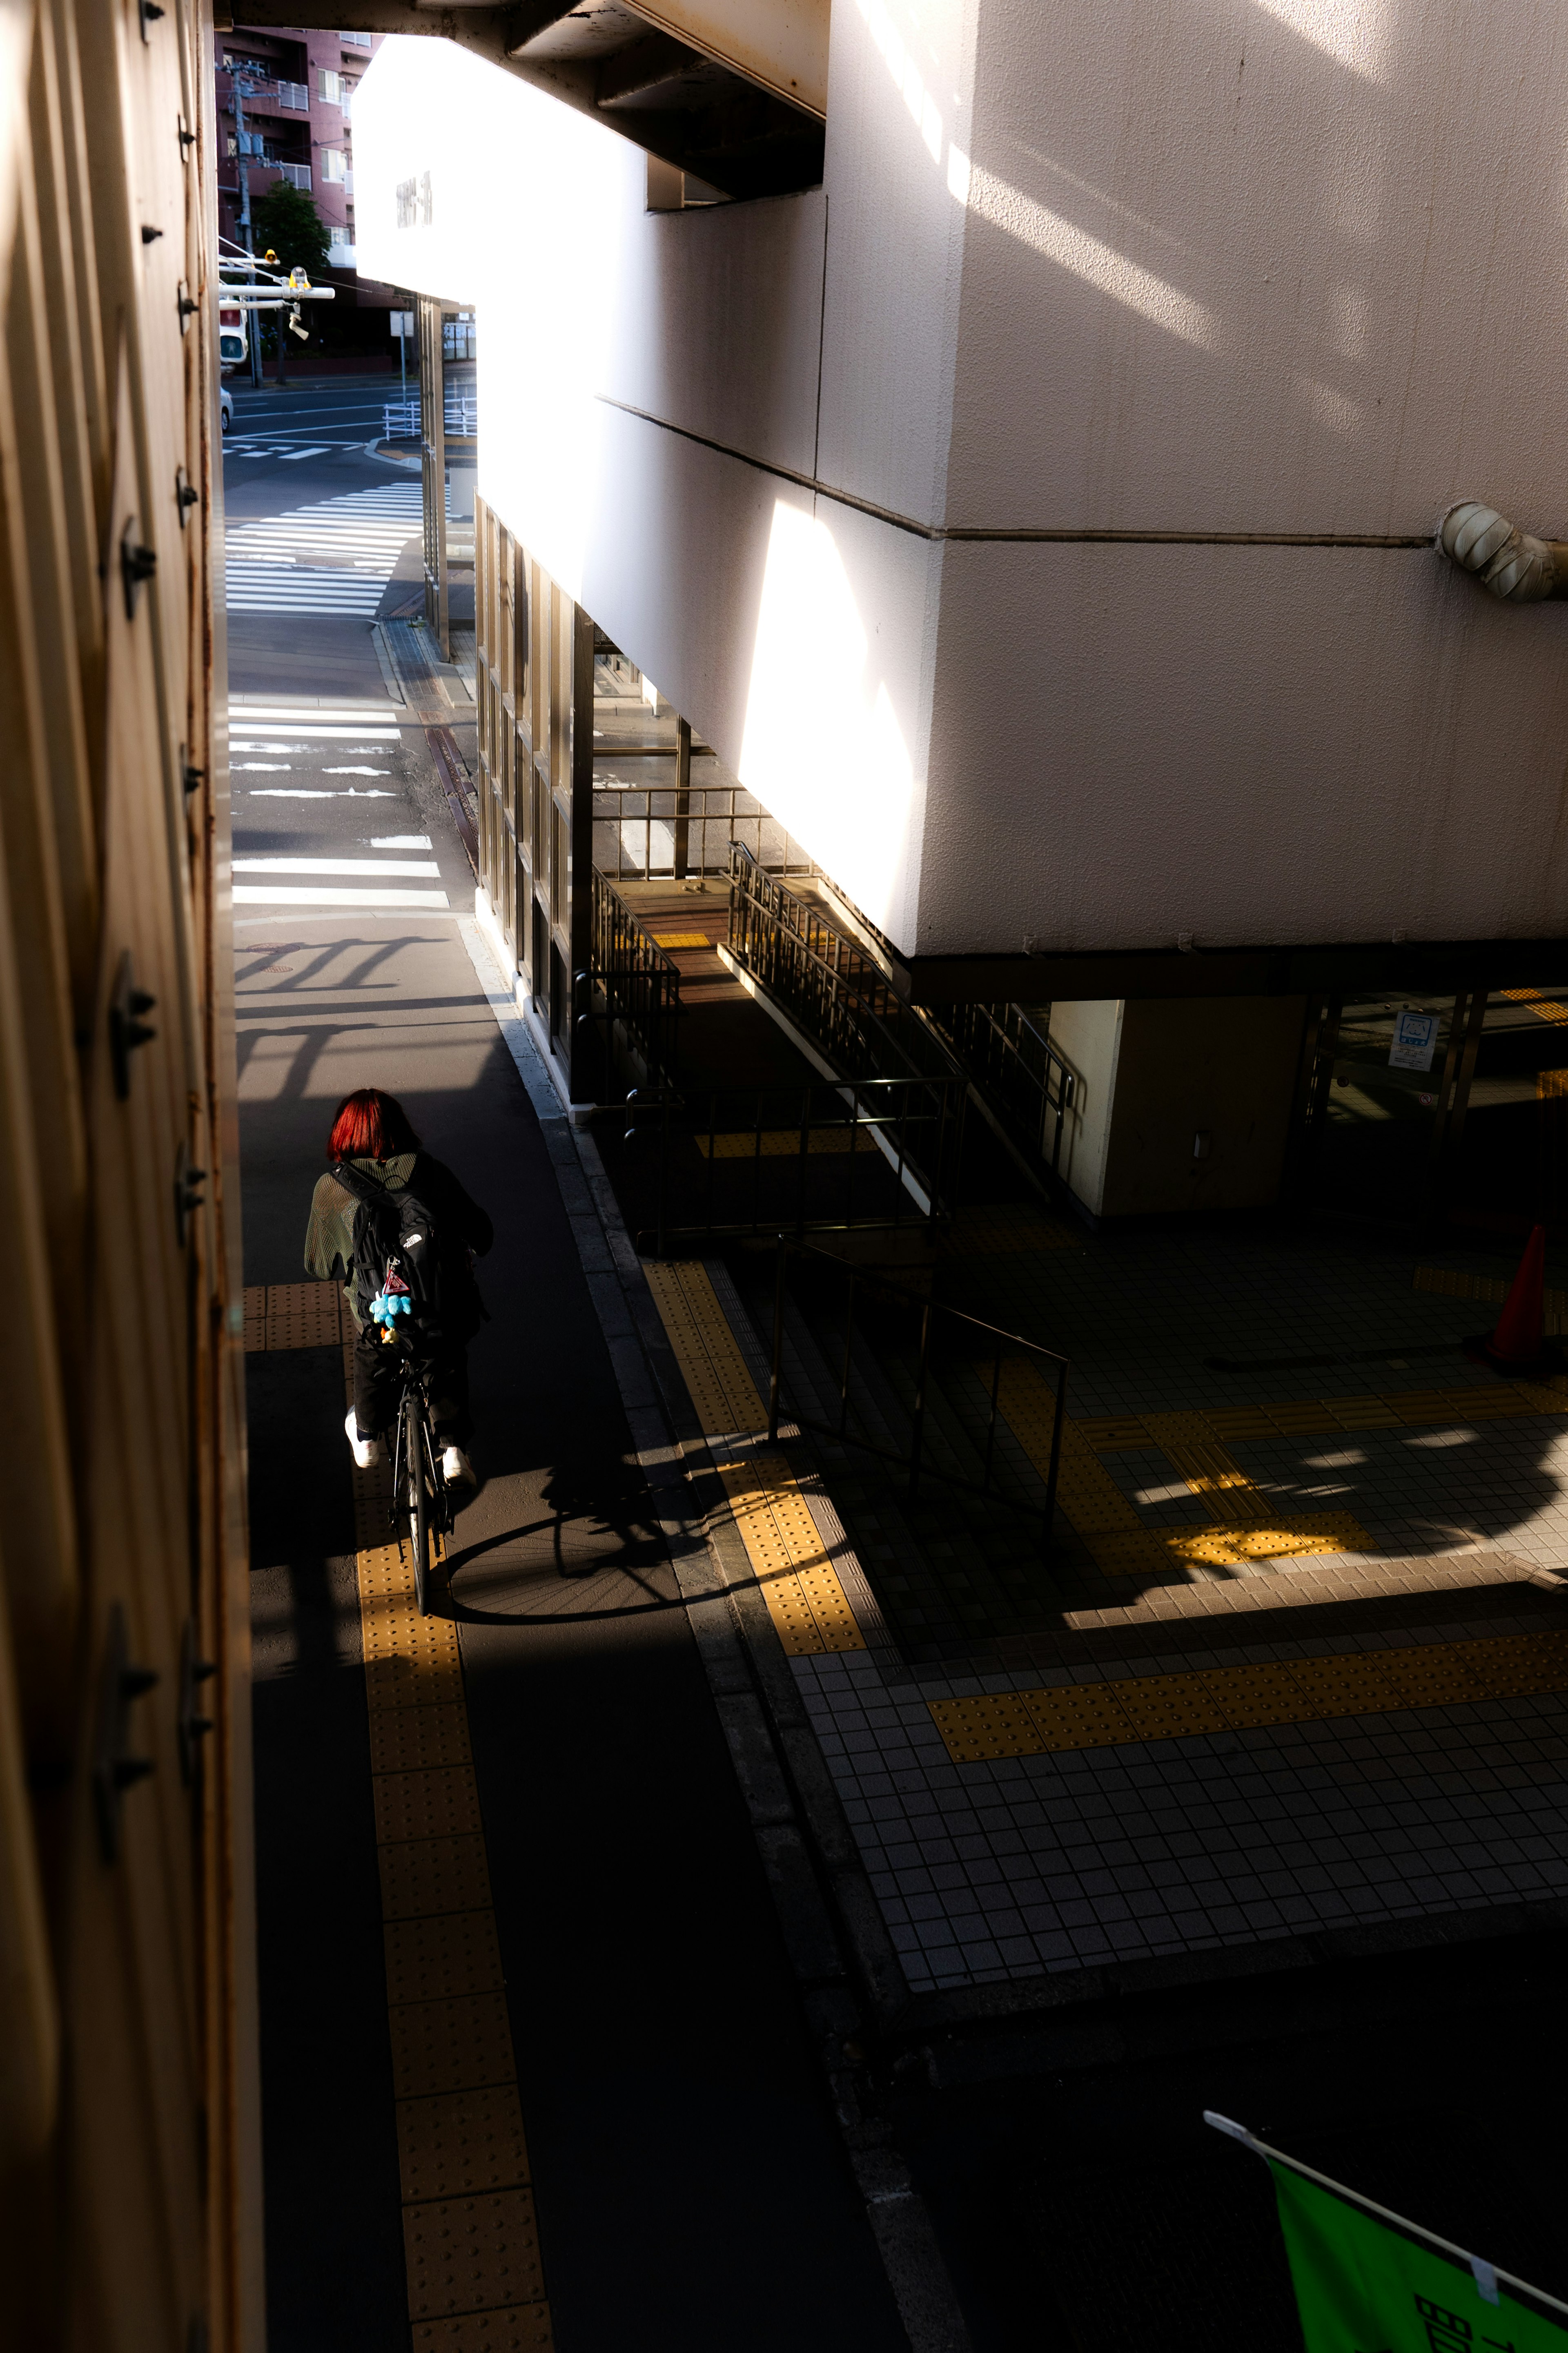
296,88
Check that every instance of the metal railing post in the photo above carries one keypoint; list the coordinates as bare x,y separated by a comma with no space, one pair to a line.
917,1432
778,1343
1055,1455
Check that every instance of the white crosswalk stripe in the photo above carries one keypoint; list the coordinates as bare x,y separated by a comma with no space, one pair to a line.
335,557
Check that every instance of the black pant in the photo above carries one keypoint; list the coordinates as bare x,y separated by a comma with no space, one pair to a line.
378,1378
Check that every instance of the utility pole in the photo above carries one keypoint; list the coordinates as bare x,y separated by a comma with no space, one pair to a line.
253,323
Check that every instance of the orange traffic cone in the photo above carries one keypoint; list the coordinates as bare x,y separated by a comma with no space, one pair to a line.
1517,1344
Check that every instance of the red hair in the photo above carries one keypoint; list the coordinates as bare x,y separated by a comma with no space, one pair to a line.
370,1126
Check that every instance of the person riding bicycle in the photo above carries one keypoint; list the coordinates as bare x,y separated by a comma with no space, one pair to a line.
372,1132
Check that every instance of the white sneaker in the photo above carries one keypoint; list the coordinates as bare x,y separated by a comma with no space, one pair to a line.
455,1468
367,1451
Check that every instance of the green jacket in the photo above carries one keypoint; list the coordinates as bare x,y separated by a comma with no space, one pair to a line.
330,1237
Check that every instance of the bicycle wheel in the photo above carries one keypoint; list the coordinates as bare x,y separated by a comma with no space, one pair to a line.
418,1495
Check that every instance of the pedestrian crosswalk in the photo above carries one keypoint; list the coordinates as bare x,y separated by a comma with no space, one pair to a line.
241,446
333,556
305,737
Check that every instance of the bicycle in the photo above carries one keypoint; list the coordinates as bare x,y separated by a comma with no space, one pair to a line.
419,1492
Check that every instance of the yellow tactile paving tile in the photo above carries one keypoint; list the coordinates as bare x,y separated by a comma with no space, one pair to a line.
1545,1009
1282,1535
461,2142
1457,1282
723,1394
420,1876
426,1804
1187,1443
472,2255
442,1957
1305,1691
453,2046
397,1683
403,1738
805,1600
522,2329
1123,1543
681,940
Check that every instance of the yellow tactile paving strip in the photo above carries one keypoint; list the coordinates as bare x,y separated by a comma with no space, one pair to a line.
469,2235
470,2240
1451,1283
1122,1545
681,940
1235,1699
723,1391
806,1602
1545,1009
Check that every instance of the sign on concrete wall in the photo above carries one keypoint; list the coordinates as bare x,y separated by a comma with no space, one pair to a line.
1414,1041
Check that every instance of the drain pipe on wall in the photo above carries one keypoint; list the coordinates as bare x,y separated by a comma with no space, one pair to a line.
1512,564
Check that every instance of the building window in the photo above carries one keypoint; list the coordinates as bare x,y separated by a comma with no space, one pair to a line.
329,87
355,40
333,164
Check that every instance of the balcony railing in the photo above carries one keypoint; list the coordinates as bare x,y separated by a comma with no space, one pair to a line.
291,94
297,174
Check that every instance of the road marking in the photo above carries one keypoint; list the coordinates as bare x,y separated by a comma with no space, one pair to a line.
334,555
314,731
252,894
1126,1708
336,866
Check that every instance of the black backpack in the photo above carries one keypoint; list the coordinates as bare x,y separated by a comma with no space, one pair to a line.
401,1251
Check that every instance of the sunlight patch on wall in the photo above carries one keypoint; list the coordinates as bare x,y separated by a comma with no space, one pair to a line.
823,747
1072,249
1352,32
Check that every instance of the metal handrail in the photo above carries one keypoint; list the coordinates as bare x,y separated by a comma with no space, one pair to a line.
401,419
630,981
713,813
907,1129
1006,1344
1012,1060
843,997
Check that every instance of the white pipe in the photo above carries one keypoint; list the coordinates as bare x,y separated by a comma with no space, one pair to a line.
1512,564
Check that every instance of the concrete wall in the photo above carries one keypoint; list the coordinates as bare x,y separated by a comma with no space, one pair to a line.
1267,267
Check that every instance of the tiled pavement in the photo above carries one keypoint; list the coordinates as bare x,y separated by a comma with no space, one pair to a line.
1003,1866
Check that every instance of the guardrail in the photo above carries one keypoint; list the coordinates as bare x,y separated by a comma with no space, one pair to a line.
1013,1061
402,419
628,817
840,995
969,1339
631,982
827,1157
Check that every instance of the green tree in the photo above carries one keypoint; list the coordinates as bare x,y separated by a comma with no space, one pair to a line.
286,219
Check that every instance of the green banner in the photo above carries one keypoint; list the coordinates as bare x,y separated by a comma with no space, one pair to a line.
1367,2284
